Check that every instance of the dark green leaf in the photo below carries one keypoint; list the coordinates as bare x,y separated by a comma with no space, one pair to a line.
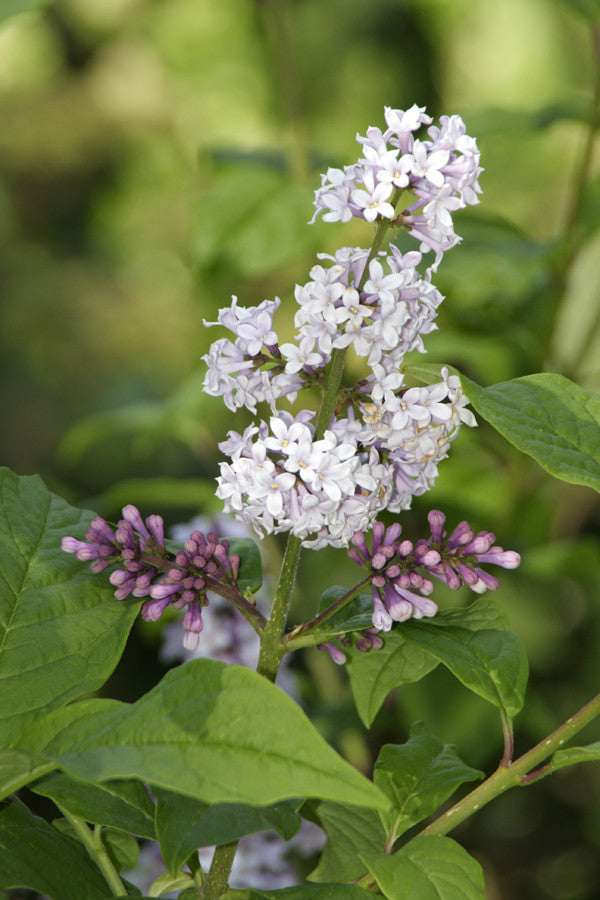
62,631
183,824
350,831
375,673
220,733
354,616
119,804
250,576
418,777
492,664
429,867
35,855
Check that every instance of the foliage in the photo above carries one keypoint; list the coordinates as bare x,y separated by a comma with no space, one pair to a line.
215,746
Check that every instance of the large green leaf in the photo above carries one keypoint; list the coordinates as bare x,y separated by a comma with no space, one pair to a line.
61,629
183,823
35,855
351,831
374,674
220,733
418,777
118,804
546,416
429,867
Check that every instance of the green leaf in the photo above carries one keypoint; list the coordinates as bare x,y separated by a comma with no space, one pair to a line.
418,777
491,663
62,631
546,416
573,755
122,848
350,831
54,865
374,674
119,804
309,892
354,616
429,867
18,768
183,824
220,733
250,576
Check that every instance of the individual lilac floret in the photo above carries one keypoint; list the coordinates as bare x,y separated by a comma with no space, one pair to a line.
400,570
146,569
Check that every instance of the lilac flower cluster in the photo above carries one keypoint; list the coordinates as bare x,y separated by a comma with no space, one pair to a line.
441,174
400,568
384,443
147,569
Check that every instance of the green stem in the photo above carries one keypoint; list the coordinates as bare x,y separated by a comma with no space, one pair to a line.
517,773
303,635
92,841
271,648
218,875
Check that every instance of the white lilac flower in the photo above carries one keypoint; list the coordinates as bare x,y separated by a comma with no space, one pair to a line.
442,173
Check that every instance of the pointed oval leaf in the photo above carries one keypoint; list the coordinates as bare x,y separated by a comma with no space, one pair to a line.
220,733
351,831
418,777
491,663
375,673
429,867
546,416
62,631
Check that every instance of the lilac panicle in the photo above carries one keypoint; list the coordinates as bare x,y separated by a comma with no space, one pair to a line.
146,569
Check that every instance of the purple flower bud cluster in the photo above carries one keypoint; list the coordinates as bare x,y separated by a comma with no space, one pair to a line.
399,569
147,569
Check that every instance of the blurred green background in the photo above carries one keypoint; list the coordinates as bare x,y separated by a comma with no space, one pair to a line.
158,156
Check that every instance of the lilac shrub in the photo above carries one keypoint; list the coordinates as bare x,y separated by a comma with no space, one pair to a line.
216,753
